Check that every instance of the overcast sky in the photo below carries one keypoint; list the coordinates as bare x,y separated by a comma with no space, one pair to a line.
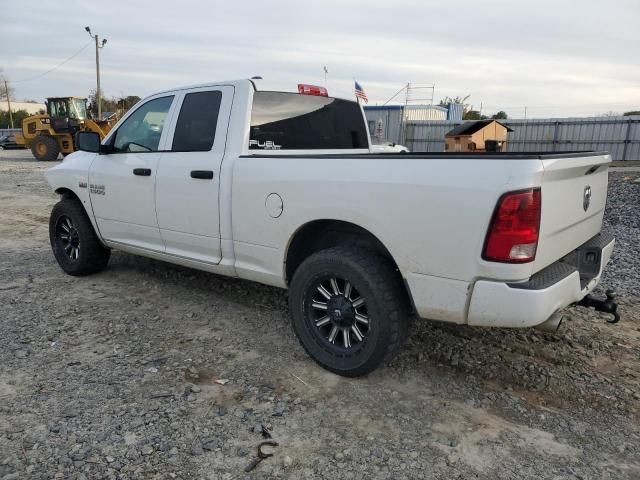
558,58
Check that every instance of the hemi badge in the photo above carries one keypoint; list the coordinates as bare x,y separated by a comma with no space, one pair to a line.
82,184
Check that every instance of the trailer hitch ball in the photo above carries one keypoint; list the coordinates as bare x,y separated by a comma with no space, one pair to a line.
612,305
607,306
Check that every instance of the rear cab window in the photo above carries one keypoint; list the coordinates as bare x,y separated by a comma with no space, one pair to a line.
291,121
196,126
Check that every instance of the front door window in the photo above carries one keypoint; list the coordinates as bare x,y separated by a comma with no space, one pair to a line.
141,132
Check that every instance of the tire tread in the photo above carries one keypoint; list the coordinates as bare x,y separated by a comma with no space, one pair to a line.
95,256
389,287
52,152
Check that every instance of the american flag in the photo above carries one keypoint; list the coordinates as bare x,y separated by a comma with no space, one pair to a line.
360,93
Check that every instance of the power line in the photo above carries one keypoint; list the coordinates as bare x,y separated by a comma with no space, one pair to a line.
57,66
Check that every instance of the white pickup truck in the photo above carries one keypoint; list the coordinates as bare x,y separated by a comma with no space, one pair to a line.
282,188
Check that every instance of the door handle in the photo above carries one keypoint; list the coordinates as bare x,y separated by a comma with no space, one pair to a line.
143,172
202,174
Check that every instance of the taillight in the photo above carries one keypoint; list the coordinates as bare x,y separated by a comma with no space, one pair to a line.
312,90
515,225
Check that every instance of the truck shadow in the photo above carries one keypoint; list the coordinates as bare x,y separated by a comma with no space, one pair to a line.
569,369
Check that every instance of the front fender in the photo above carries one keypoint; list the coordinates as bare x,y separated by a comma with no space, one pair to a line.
71,178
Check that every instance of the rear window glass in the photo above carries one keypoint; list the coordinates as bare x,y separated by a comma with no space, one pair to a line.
196,127
288,121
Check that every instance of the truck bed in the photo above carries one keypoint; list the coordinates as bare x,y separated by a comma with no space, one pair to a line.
430,210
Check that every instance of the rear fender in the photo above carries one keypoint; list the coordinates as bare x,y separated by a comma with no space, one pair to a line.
20,140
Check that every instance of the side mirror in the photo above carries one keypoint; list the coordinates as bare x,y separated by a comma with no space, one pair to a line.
88,142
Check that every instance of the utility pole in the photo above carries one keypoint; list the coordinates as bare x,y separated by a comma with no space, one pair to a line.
99,45
6,91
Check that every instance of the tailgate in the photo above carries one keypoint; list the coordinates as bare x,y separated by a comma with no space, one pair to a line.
574,195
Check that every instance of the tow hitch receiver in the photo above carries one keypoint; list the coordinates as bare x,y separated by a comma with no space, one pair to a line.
607,306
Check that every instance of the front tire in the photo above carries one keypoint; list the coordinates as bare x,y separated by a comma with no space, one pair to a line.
348,309
73,241
45,148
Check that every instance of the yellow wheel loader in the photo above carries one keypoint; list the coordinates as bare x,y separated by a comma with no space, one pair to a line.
49,134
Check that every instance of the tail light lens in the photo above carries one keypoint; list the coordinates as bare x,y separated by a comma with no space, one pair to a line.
514,229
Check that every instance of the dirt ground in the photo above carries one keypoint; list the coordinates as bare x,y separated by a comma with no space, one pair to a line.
147,370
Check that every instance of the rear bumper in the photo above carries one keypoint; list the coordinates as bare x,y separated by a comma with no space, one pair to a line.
530,303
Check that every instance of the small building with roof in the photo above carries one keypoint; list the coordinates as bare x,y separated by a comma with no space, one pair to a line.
477,136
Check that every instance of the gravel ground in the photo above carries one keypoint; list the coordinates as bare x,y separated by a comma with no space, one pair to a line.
622,219
147,370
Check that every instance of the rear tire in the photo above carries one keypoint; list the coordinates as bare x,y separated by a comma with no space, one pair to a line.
45,148
73,240
348,309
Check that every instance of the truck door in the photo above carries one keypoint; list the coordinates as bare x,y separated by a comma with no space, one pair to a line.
122,183
188,179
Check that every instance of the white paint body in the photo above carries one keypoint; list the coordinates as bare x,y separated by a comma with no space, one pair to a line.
431,214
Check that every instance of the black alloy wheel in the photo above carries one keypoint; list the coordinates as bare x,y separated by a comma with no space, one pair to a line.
338,314
67,238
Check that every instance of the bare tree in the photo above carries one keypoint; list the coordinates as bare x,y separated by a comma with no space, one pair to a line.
6,90
6,93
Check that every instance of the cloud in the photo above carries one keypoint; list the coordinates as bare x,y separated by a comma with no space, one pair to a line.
558,58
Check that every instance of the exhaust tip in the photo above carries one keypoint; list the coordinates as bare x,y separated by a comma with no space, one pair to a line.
552,324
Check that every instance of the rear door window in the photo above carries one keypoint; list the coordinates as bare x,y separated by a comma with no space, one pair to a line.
196,126
290,121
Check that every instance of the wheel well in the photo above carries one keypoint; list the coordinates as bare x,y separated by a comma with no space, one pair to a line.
66,193
321,234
